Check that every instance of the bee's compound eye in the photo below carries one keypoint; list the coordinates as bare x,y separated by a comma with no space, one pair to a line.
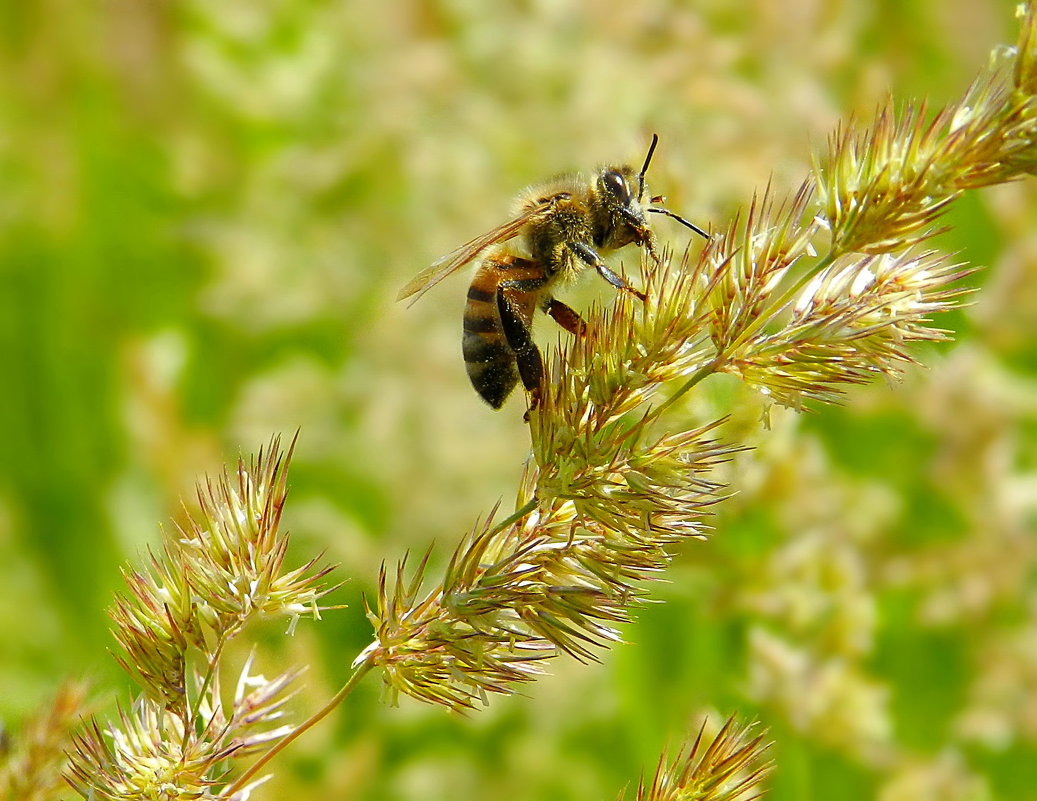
617,185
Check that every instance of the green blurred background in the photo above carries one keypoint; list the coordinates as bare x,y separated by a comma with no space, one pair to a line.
206,209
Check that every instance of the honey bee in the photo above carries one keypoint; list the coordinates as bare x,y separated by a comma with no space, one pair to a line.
565,225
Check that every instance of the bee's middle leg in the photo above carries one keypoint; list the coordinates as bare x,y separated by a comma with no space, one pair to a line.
590,256
520,340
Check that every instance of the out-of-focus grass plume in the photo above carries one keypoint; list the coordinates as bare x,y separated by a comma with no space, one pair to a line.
33,759
208,209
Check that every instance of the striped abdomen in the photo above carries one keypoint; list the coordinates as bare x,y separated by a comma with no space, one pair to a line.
498,349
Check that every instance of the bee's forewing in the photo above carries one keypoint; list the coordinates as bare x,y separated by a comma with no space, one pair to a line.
455,260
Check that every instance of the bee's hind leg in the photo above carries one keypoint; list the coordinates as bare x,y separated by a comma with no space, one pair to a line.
566,317
527,355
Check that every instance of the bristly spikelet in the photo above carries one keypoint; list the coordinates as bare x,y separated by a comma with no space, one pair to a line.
748,264
234,553
883,187
725,768
628,351
851,322
556,580
1024,76
155,625
428,652
152,753
221,570
1020,139
603,503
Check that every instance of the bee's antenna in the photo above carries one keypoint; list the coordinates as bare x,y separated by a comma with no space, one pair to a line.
678,218
667,212
644,169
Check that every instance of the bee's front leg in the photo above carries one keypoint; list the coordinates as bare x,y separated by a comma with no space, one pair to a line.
589,256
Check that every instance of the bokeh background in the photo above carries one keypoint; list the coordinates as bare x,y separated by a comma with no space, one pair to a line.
206,210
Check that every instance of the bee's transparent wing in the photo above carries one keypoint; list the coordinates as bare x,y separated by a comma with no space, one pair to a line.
455,260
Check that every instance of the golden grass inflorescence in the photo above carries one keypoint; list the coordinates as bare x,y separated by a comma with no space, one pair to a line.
614,482
612,486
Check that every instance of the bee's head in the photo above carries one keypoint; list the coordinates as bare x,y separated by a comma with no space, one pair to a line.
619,191
625,218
